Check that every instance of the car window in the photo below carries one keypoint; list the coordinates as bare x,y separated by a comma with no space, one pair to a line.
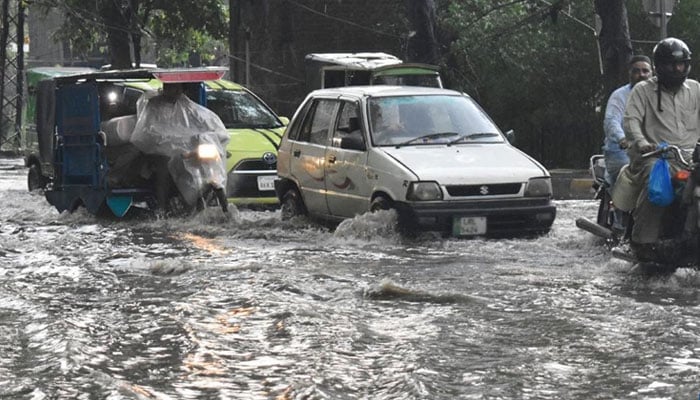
117,100
348,123
429,119
131,96
294,129
239,109
317,123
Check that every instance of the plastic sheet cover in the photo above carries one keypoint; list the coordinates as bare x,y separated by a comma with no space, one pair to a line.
166,128
175,129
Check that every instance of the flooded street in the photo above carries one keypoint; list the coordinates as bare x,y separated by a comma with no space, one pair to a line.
255,308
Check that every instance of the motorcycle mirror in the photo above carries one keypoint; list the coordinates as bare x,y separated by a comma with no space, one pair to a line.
510,136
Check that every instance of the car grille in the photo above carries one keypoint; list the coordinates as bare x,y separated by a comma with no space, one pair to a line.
254,165
483,190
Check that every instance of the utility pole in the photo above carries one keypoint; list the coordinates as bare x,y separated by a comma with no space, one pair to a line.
234,24
12,72
662,13
659,12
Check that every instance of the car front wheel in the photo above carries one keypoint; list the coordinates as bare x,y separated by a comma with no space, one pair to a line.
292,204
35,180
380,203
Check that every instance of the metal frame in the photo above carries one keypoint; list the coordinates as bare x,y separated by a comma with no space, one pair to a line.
11,73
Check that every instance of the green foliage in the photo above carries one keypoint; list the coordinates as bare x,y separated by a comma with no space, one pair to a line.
82,27
180,30
533,73
173,28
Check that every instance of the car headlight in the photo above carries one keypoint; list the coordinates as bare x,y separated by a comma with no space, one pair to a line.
539,187
424,191
207,151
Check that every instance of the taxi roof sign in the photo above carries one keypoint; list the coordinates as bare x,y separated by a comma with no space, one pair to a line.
189,75
164,75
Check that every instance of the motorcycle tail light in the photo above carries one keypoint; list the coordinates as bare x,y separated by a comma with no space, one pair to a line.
207,152
682,175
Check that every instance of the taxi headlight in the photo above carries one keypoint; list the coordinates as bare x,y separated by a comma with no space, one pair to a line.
539,187
424,191
207,151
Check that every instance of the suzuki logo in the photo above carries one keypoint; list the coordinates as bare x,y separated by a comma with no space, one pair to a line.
484,190
269,158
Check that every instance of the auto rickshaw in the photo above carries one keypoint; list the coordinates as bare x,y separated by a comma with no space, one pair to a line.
86,124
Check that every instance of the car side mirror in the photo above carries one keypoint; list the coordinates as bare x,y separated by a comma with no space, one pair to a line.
353,142
284,120
510,135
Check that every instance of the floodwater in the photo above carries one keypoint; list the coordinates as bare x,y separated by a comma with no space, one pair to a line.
255,308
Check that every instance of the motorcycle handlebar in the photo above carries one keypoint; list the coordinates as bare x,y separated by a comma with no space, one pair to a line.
666,149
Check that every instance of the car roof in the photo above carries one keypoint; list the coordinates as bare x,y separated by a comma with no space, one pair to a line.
382,91
364,60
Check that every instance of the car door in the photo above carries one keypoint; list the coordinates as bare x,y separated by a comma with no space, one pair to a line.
347,187
308,154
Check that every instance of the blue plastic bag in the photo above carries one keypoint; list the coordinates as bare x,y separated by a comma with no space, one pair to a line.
661,191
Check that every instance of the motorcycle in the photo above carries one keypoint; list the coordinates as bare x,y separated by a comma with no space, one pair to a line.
199,174
679,239
605,219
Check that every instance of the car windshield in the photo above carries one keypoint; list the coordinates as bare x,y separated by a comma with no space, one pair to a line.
409,80
239,109
429,119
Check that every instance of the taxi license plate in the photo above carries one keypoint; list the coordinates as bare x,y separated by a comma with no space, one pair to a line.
469,226
266,182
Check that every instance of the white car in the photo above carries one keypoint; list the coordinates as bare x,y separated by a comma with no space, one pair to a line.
431,154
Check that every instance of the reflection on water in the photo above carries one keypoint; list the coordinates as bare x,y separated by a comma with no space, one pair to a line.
255,307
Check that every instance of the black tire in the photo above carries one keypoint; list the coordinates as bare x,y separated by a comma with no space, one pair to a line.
35,180
604,212
223,201
292,204
177,206
380,203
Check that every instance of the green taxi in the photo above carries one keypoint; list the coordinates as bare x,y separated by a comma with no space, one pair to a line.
256,132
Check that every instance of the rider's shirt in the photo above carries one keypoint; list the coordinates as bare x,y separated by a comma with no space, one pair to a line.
674,118
614,112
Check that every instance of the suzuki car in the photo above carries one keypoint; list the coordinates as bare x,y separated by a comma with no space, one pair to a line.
431,154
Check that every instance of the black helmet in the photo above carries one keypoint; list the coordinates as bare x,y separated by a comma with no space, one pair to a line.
668,52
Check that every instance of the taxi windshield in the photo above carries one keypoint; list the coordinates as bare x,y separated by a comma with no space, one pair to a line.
429,119
239,109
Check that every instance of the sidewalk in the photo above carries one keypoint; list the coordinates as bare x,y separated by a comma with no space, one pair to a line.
569,184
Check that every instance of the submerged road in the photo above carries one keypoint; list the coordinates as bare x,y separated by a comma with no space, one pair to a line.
256,308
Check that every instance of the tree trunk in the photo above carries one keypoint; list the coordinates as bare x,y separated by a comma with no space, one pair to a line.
615,43
118,24
422,46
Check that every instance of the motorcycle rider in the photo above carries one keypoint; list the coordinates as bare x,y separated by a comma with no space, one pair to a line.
665,108
615,141
164,131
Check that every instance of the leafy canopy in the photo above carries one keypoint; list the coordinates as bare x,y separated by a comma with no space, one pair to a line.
172,29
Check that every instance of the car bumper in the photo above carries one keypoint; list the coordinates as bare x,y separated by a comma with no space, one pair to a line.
503,217
244,189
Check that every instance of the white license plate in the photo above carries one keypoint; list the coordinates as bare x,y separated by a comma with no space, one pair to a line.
469,226
266,182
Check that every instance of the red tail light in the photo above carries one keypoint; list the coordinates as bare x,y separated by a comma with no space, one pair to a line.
682,175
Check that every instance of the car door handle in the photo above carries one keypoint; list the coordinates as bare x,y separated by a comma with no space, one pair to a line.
297,153
331,159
